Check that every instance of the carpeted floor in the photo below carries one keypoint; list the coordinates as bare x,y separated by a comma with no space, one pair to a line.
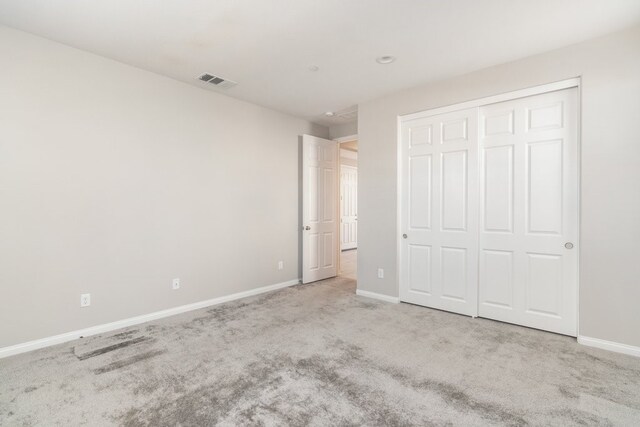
319,355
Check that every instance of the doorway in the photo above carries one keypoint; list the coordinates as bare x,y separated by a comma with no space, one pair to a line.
329,235
348,203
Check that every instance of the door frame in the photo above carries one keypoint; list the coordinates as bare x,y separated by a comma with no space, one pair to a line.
507,96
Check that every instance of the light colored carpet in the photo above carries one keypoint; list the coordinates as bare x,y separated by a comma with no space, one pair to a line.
319,355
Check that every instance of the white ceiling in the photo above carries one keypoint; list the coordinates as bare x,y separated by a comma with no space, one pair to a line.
267,46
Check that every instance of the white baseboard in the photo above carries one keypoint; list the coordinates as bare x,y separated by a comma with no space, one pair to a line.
610,345
374,295
107,327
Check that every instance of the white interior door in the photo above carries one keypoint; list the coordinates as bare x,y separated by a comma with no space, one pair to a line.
348,207
439,218
529,211
319,210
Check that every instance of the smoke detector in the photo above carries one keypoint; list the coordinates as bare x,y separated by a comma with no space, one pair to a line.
385,59
345,115
216,81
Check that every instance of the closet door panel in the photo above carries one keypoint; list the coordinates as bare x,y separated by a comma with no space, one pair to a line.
439,212
529,211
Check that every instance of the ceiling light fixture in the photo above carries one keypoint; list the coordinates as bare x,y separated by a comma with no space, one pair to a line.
386,59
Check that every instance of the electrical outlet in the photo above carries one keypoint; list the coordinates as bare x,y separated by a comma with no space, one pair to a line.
85,300
280,265
176,283
380,273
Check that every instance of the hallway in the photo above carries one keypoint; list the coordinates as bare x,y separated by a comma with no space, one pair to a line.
349,264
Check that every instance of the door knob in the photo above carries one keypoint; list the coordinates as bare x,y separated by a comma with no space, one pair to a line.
568,245
404,236
307,228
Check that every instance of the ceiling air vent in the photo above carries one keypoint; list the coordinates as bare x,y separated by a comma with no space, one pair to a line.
216,81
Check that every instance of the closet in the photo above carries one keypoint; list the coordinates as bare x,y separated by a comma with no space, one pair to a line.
489,210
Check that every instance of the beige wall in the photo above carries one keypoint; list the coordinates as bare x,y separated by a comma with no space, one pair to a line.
610,157
350,145
348,157
344,129
114,180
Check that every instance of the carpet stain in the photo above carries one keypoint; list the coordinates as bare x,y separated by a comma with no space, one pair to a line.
111,348
128,361
126,334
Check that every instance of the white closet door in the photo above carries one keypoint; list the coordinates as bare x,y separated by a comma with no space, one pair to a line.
529,211
439,212
348,207
319,211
